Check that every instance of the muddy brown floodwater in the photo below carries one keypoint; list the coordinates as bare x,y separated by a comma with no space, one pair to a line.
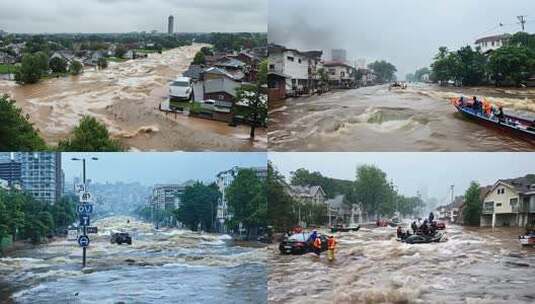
472,266
419,118
126,96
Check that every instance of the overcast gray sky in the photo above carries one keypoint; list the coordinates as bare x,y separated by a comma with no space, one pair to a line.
406,33
411,172
52,16
158,167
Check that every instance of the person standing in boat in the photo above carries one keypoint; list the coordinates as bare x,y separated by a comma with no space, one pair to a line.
500,115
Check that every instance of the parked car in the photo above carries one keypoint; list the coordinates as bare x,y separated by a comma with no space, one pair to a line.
181,89
297,244
527,239
121,237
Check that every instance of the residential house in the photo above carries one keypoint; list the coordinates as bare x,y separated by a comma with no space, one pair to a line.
6,58
492,43
314,65
450,212
340,212
341,75
510,202
65,55
308,194
291,63
220,86
194,72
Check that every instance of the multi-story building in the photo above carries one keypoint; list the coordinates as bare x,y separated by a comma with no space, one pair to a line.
170,25
40,173
10,171
341,75
223,180
340,212
290,70
492,43
510,202
167,196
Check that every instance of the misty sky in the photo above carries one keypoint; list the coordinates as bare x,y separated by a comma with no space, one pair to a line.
406,33
53,16
411,172
157,167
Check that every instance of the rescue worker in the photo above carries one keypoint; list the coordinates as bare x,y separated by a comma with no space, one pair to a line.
431,216
316,246
414,227
331,245
399,233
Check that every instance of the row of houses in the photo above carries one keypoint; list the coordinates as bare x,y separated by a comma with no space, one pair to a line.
216,82
508,202
294,72
167,196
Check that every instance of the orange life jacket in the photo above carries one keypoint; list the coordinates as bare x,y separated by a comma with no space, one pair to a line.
331,243
317,243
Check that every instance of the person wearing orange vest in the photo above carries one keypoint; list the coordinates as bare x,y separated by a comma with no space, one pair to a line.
331,245
317,245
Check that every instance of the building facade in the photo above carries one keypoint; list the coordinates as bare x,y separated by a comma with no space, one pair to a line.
11,172
492,43
170,25
41,174
510,202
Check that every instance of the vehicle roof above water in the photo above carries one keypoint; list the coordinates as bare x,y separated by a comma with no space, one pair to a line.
182,78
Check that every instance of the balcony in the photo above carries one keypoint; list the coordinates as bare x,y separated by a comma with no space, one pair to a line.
487,210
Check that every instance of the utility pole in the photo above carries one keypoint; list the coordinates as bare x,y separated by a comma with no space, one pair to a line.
522,21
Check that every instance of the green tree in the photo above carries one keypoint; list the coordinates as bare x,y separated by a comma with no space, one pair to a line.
64,212
207,51
247,201
281,205
198,206
472,205
120,51
199,58
76,67
512,63
91,136
255,98
16,132
58,65
385,71
32,68
102,63
471,66
373,191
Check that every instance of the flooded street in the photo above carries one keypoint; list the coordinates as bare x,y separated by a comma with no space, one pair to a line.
419,118
126,96
472,266
166,266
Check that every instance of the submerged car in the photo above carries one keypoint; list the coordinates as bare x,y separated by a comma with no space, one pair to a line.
121,237
527,239
297,244
181,89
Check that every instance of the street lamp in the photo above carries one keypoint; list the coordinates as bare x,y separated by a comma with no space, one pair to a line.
85,189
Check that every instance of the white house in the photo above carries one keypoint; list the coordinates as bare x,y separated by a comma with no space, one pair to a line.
291,63
492,43
341,74
510,202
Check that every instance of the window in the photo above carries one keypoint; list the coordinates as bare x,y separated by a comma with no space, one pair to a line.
271,66
290,58
498,204
221,97
299,60
513,202
332,71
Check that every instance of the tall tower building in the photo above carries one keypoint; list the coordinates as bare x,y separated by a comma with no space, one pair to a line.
41,174
170,25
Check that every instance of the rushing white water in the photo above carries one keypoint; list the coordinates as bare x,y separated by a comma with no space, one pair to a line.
472,266
164,266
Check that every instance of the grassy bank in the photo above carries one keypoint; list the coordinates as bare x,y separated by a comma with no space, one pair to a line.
7,68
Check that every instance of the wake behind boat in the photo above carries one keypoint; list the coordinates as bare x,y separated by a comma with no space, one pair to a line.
484,113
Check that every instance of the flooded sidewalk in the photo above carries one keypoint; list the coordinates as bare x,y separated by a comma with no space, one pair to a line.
420,118
125,97
472,266
161,266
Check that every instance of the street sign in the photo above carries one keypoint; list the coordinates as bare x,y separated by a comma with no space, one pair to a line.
72,234
78,188
85,209
86,197
84,220
92,229
83,241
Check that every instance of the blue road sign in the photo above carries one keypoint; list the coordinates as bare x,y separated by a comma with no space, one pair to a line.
84,220
85,209
83,240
